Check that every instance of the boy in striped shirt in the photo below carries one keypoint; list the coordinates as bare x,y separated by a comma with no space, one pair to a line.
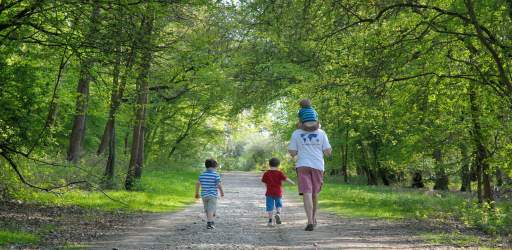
209,182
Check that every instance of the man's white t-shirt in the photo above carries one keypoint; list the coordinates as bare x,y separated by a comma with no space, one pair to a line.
310,148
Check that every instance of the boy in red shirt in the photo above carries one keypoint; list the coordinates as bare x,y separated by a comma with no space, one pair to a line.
273,179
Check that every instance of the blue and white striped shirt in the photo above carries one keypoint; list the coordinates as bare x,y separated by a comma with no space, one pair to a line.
209,180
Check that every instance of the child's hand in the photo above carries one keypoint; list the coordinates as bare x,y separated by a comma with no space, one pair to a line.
197,196
222,194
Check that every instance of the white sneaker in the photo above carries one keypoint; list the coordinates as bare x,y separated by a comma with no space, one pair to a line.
278,219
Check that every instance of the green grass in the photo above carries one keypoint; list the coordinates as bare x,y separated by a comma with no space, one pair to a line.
454,238
158,191
382,202
401,203
74,246
16,237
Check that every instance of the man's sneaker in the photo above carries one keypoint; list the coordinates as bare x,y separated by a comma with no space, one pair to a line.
278,219
210,225
309,227
269,223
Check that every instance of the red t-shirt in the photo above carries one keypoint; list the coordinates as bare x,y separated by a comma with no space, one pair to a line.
273,179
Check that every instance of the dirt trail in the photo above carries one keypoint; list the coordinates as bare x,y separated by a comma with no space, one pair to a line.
241,224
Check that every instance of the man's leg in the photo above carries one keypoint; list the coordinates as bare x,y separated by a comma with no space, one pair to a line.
308,206
317,180
306,188
315,207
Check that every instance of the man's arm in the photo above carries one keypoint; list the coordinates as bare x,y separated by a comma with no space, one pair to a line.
327,149
292,146
293,153
328,152
219,186
198,185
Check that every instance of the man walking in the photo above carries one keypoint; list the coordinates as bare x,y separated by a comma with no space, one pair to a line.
310,148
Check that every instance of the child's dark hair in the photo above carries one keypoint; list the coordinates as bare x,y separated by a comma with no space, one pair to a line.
305,103
274,162
210,163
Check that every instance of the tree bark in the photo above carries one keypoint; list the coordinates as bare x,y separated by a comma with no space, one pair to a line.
125,148
442,181
375,146
417,180
116,97
365,166
77,135
465,171
482,153
109,168
499,177
137,149
344,158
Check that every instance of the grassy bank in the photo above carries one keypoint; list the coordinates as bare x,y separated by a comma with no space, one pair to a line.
11,237
158,191
402,203
44,219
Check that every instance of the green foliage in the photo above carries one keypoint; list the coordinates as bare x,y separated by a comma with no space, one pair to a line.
491,220
391,81
16,237
400,203
160,190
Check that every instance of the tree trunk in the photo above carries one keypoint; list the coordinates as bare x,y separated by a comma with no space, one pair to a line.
344,158
126,137
482,154
465,172
109,169
417,180
442,181
53,109
140,154
111,123
116,96
78,130
499,177
478,179
137,149
365,166
77,135
382,172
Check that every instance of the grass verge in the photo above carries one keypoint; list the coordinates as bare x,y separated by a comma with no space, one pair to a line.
400,203
12,237
158,191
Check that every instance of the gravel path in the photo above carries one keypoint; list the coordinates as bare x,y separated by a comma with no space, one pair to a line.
241,224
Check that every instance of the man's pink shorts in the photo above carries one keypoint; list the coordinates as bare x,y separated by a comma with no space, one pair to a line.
310,180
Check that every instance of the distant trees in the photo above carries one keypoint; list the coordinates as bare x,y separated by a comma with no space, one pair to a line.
405,89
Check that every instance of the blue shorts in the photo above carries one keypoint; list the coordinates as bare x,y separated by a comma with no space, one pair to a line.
273,201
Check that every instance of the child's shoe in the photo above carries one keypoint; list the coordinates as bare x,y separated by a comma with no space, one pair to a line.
210,225
278,219
269,223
